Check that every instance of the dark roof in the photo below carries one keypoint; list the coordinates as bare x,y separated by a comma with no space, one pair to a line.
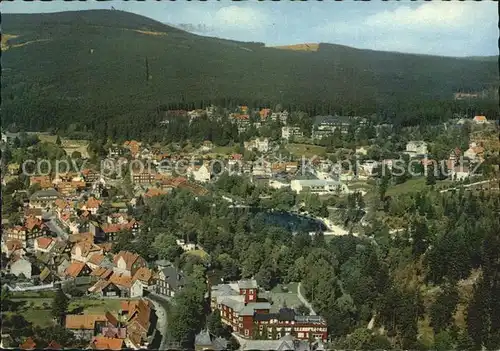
173,276
204,338
333,119
45,193
286,314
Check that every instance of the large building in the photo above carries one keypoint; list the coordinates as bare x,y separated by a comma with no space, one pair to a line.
325,126
319,186
250,316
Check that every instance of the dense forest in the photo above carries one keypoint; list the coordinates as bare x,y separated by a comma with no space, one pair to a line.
441,270
100,70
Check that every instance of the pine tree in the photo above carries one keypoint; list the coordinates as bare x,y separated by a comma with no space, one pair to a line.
58,141
431,177
60,305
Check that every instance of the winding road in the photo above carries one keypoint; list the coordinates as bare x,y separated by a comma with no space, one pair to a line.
304,301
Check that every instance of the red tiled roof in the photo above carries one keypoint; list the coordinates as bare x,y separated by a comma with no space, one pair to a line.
32,222
96,258
44,242
112,319
84,321
104,343
75,268
29,344
53,346
129,257
121,280
13,245
143,274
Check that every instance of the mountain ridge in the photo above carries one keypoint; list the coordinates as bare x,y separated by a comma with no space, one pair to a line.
103,63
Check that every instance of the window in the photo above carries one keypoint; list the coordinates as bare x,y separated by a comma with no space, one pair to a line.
247,332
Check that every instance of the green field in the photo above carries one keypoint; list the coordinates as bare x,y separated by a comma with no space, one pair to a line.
95,306
306,150
38,310
413,185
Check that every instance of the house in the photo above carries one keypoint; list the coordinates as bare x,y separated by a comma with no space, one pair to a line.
78,269
85,326
20,265
53,346
262,169
318,186
415,148
29,344
285,343
34,227
17,233
201,173
90,175
242,310
474,153
153,192
261,145
185,246
288,132
278,184
92,205
62,266
128,263
44,181
460,173
44,198
44,244
83,251
133,146
33,212
361,151
281,116
206,341
12,247
169,281
207,146
264,113
46,276
96,260
105,343
325,126
141,324
480,120
144,177
108,288
142,279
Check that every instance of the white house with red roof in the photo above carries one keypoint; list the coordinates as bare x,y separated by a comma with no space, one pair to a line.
44,244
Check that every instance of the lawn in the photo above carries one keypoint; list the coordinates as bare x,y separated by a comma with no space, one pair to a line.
38,310
281,298
222,150
306,150
413,185
69,145
95,306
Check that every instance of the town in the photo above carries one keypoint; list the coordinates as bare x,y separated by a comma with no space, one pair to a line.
250,176
88,240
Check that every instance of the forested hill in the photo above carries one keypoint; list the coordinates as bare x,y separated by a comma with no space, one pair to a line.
104,65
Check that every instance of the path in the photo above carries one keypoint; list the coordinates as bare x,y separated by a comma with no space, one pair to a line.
161,324
304,301
467,185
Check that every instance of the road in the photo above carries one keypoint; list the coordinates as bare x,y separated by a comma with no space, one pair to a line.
467,185
304,301
161,324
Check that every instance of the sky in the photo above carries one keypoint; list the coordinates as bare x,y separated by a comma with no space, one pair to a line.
453,28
